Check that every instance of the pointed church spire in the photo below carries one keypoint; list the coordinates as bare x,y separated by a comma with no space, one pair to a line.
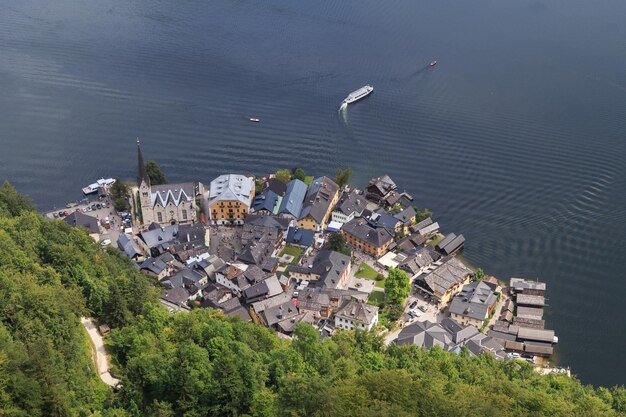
143,174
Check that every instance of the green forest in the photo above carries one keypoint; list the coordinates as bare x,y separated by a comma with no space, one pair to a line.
206,364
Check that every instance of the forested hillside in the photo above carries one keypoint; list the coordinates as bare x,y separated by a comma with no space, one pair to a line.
206,364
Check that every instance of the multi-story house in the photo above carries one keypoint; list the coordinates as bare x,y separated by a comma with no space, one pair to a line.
361,235
230,198
318,204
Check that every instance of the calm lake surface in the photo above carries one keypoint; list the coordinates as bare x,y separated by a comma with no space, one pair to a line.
516,139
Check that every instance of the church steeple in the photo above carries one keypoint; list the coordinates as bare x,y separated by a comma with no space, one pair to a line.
142,173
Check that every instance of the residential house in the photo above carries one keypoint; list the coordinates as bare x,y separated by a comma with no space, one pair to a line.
419,261
329,269
407,217
349,206
380,188
359,234
445,281
230,199
267,203
319,201
85,222
273,315
264,289
381,219
300,237
291,203
165,203
474,303
451,337
356,314
129,247
155,268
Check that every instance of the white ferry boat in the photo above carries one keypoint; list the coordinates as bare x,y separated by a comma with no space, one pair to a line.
358,94
93,188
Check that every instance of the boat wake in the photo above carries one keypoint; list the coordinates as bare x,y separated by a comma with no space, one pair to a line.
343,112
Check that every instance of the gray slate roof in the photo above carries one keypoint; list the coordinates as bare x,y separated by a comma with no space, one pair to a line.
127,244
293,198
350,203
300,236
362,230
78,219
474,300
406,215
318,198
451,272
358,310
159,235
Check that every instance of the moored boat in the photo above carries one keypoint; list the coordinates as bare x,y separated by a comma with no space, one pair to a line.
93,188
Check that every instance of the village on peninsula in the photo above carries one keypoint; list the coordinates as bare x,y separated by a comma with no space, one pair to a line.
289,248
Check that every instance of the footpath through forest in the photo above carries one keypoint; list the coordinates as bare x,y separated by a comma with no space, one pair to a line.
100,357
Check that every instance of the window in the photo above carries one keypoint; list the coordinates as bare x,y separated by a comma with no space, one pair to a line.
145,194
159,217
184,214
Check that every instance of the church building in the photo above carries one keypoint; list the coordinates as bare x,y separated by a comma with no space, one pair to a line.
165,203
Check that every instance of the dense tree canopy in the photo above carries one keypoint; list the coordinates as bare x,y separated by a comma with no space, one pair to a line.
204,363
343,176
397,286
156,175
337,243
283,175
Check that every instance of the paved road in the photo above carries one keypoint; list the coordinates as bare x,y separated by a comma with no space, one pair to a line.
100,358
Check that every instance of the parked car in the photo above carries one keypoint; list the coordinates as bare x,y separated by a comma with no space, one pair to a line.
55,215
417,313
60,214
98,206
413,305
423,308
106,242
93,206
65,213
84,209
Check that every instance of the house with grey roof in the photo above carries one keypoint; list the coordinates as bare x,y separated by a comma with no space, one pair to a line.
267,203
329,269
474,303
380,188
418,261
273,315
407,217
445,281
451,337
300,237
356,314
361,235
129,247
264,289
291,203
319,201
230,199
155,268
85,222
349,206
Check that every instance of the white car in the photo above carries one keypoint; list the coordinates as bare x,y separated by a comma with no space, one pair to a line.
106,242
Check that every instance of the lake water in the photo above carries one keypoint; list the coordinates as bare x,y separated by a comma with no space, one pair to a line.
515,139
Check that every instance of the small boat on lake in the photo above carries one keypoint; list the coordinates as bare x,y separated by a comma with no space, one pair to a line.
432,63
254,119
358,94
